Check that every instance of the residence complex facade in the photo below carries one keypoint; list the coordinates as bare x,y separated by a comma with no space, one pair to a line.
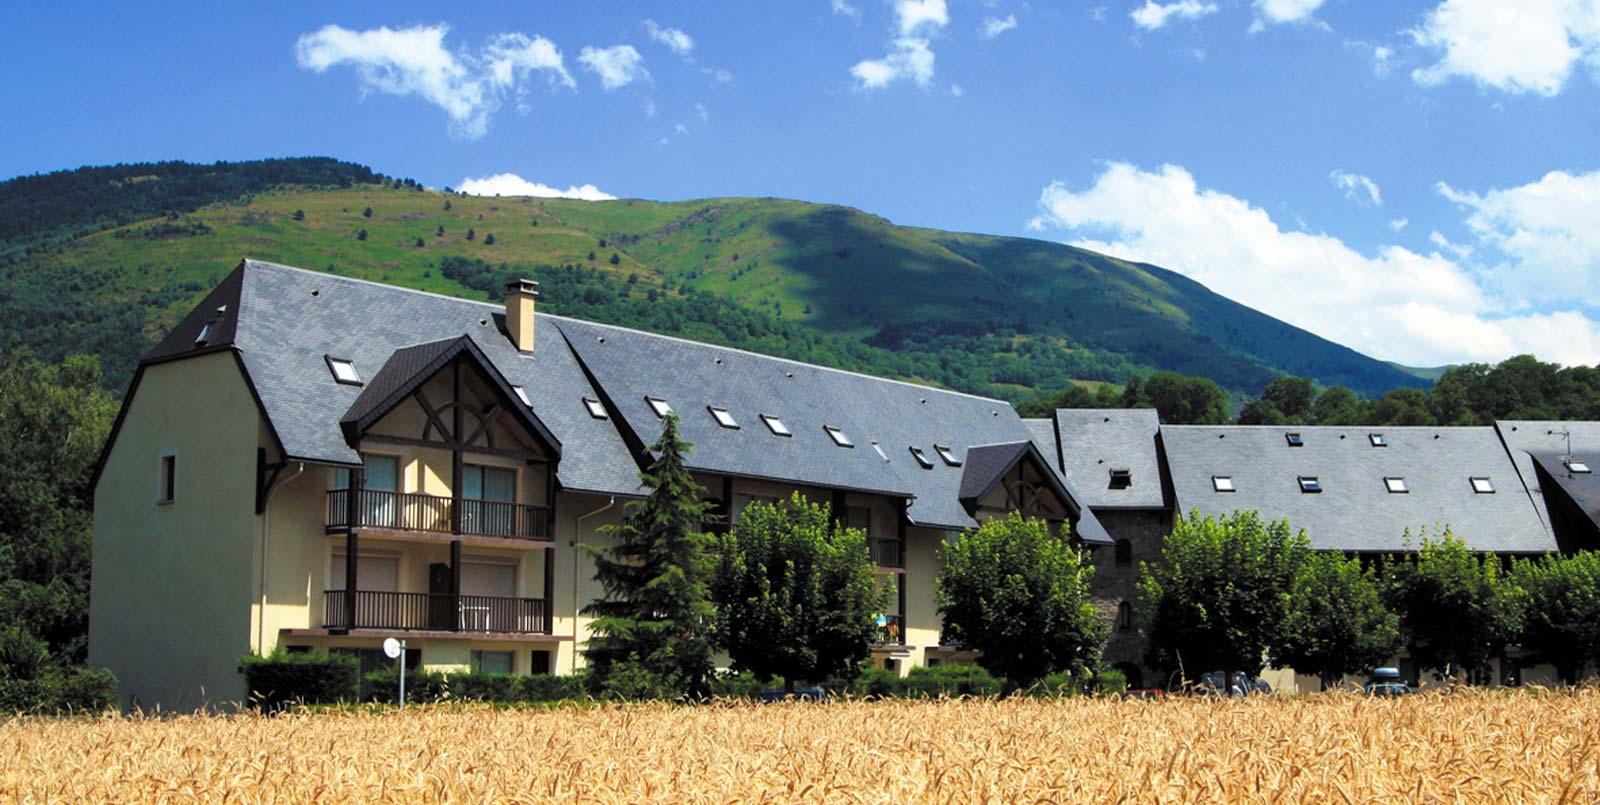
313,462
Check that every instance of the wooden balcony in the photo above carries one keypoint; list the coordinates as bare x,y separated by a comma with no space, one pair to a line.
408,511
887,552
431,612
892,632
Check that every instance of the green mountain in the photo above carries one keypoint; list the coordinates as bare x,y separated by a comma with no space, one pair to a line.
104,259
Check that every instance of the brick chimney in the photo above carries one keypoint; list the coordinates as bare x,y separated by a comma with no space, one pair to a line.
520,296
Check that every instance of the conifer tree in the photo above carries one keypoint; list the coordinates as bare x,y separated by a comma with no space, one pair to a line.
656,620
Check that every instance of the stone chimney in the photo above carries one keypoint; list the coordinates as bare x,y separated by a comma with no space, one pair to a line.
520,296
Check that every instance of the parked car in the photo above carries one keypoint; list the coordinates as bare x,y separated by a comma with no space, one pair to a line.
1387,682
1211,684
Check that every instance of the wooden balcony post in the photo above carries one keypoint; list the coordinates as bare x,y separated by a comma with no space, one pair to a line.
549,590
350,564
455,583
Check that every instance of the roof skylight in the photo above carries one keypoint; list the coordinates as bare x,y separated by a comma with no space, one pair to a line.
659,406
776,425
1310,485
1222,483
921,457
596,409
947,454
1576,466
1482,486
1121,478
522,394
1378,440
1294,439
723,418
205,333
1396,485
879,449
838,436
344,371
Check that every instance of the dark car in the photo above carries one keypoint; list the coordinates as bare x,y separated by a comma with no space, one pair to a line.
1387,682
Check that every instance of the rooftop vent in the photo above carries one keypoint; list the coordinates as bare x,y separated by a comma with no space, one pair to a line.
921,457
1294,439
776,425
1482,485
659,406
344,371
723,418
838,436
1121,478
1222,483
1378,440
1310,485
1396,485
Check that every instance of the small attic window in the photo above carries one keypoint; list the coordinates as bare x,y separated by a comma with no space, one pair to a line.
947,454
522,394
879,448
1396,485
1310,485
921,457
1121,478
723,418
659,406
1378,440
1222,483
1482,485
776,425
344,370
205,334
838,436
1577,467
1294,440
596,410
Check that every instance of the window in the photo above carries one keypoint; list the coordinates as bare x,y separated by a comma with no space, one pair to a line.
522,394
1310,485
344,370
1396,485
539,661
838,436
776,425
377,574
205,334
594,407
169,478
947,454
1124,617
659,406
1294,440
879,449
1222,483
1124,551
1378,440
1482,485
485,493
1121,478
1576,466
723,418
921,457
491,662
858,517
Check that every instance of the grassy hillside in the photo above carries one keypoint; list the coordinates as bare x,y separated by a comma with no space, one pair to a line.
1005,316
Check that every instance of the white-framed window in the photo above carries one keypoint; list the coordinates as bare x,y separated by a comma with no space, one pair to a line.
921,457
723,417
838,436
1396,485
948,455
1577,467
1310,484
776,425
1294,440
879,448
344,370
1482,485
1222,483
595,408
659,406
1378,439
167,490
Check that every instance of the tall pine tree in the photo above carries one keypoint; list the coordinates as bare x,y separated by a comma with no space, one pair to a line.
652,633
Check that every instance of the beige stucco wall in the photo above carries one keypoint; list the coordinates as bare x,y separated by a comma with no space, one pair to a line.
169,606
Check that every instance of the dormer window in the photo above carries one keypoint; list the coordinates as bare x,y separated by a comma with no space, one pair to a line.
1222,483
1482,485
1378,440
879,449
776,425
659,406
1396,485
205,334
1294,440
723,418
594,407
344,371
1577,467
921,457
838,436
1310,485
522,394
947,454
1121,478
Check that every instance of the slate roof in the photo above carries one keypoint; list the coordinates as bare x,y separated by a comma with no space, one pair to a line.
1354,511
1582,488
1525,438
289,319
1093,441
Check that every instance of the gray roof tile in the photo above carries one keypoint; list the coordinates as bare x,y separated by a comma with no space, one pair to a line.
1095,441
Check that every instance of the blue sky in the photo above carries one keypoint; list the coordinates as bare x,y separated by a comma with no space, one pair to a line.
1418,180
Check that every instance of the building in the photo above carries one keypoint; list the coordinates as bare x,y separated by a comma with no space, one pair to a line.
314,462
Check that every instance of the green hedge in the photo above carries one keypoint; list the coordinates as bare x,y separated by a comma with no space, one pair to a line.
60,690
426,687
282,679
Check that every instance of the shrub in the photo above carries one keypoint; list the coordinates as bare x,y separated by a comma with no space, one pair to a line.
484,687
422,687
737,686
60,690
948,680
1109,680
633,682
552,688
282,679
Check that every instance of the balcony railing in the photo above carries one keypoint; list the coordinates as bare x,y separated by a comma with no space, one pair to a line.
408,511
436,612
887,552
892,631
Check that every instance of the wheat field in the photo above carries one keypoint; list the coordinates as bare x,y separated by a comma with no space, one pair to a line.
1466,747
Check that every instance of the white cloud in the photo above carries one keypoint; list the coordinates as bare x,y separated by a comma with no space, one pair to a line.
1419,309
415,61
617,66
1279,12
1098,13
718,75
681,129
994,26
1546,234
1153,15
1524,46
677,41
1398,224
907,58
843,8
1357,188
510,184
1381,56
913,16
700,109
957,91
